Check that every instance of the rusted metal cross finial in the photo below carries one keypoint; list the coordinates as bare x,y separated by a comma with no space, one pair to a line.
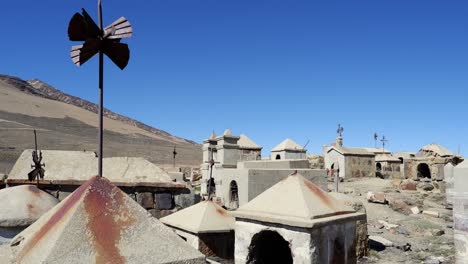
339,131
174,153
99,40
383,140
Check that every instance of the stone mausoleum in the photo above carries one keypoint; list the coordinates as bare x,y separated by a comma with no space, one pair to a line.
237,177
295,221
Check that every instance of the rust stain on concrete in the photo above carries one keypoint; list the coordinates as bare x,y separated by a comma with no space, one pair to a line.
108,216
54,219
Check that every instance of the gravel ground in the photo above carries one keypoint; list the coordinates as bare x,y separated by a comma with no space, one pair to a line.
423,233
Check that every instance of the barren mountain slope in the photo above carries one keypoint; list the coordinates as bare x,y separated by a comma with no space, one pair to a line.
70,123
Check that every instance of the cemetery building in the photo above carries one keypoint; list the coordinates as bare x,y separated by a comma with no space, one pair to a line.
237,178
348,162
205,226
295,221
429,162
65,171
107,226
20,207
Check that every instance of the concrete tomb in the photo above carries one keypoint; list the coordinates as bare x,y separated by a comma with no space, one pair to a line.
296,222
98,223
20,206
207,227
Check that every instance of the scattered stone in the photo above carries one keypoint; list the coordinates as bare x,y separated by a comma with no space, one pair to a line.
425,186
426,179
434,260
399,206
396,183
405,248
146,200
387,225
415,210
379,243
408,185
402,231
437,232
377,197
431,213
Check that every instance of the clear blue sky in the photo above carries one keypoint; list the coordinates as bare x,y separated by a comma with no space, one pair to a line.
269,69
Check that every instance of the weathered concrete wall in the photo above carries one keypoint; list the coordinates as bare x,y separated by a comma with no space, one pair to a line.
261,180
436,166
249,154
391,169
300,241
449,183
359,166
334,243
288,155
336,158
460,212
252,182
274,164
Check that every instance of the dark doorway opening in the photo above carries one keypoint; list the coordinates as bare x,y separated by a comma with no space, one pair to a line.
278,157
424,171
267,247
378,166
233,195
401,160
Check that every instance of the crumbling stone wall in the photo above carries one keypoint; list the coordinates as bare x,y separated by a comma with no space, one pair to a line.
250,154
391,170
360,166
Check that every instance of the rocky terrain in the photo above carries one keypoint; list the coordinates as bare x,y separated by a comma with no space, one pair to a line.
66,122
407,220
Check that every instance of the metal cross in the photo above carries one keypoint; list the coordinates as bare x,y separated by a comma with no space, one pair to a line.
211,163
174,153
383,140
375,139
340,129
38,170
99,40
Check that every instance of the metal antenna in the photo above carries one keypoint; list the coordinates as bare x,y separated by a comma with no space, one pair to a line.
99,40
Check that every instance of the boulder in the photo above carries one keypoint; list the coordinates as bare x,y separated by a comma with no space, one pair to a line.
415,210
431,213
376,197
425,186
437,232
379,243
387,225
408,185
400,206
146,200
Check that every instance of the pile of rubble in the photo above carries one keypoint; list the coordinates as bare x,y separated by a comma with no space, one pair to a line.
408,221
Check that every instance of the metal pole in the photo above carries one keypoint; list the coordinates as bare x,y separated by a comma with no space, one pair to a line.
101,99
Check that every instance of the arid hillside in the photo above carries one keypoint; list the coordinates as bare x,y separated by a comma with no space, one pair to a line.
66,122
